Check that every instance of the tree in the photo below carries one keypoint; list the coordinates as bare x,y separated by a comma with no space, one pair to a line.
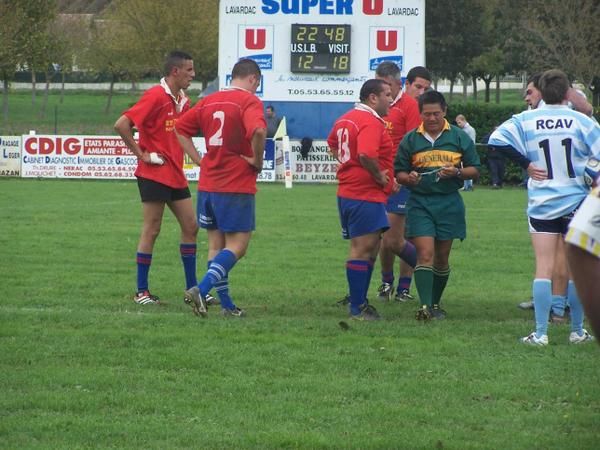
10,48
486,66
565,34
451,30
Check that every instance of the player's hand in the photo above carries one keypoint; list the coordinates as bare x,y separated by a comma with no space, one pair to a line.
255,162
414,178
536,173
383,179
448,171
153,158
395,186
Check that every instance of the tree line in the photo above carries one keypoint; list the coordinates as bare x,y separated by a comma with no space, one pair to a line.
486,39
468,40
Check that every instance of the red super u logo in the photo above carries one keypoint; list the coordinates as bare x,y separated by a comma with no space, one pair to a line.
373,7
256,38
387,40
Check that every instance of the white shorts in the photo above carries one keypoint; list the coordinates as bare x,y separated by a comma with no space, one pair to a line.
584,229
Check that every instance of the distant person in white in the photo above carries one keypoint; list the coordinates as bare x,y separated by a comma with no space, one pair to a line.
461,121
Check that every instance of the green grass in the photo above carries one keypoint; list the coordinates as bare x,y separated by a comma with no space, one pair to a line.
82,366
82,112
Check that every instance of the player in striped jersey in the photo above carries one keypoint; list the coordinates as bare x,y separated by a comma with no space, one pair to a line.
559,140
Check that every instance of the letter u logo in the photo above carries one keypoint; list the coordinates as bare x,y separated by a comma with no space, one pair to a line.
256,39
387,41
373,7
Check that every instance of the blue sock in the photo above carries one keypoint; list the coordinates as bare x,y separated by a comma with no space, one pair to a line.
404,283
188,258
143,268
542,301
387,277
222,288
576,309
370,274
357,272
558,304
409,254
217,270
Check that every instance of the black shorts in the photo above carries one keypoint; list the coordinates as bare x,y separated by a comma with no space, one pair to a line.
153,191
559,225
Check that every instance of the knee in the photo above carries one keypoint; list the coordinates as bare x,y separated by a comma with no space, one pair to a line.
425,258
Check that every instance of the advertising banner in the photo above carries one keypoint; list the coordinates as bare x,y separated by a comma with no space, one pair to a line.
99,157
319,166
10,156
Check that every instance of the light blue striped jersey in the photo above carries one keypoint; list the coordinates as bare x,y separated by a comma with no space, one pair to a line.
559,140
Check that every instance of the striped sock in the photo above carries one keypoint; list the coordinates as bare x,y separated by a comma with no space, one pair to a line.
440,279
218,269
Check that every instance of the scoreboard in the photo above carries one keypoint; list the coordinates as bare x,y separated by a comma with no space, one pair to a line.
319,50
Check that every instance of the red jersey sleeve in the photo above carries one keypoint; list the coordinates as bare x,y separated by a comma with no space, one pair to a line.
144,109
413,116
188,124
253,116
368,140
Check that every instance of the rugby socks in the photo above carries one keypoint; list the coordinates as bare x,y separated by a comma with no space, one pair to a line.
143,268
188,258
370,274
576,309
542,301
558,304
404,284
222,288
409,254
217,270
387,277
357,272
440,279
424,281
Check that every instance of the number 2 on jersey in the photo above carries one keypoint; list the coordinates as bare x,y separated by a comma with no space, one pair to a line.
217,138
545,146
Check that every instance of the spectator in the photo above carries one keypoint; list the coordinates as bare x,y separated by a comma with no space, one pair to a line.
496,163
461,121
272,121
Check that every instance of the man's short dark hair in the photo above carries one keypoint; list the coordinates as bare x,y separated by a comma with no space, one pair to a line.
175,59
388,69
418,72
270,107
534,79
430,98
554,85
372,86
244,68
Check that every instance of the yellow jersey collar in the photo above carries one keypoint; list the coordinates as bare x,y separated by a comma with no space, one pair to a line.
421,128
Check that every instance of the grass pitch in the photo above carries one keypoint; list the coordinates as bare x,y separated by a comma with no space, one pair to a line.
82,366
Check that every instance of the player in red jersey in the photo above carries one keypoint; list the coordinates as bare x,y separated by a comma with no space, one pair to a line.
233,124
365,152
159,172
402,117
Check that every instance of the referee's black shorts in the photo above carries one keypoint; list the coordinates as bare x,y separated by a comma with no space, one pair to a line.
153,191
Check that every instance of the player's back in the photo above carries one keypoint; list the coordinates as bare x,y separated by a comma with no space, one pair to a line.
227,119
560,141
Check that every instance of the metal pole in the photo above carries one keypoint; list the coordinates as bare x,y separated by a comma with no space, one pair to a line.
55,118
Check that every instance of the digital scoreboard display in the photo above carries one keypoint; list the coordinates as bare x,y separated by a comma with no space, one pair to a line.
320,48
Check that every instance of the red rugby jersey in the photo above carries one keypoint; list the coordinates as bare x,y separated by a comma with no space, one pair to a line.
154,116
361,132
402,117
227,120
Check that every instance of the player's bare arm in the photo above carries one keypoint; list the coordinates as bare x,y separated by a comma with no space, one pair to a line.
579,102
188,147
124,127
408,178
371,165
258,148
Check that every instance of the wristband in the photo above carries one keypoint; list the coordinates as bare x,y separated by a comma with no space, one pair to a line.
458,172
155,159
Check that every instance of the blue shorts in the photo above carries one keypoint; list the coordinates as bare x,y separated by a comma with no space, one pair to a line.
359,217
396,203
229,213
